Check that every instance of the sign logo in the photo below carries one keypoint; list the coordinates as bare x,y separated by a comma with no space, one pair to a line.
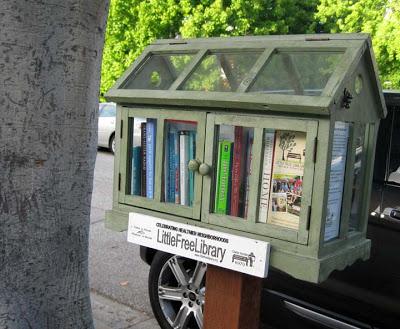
241,258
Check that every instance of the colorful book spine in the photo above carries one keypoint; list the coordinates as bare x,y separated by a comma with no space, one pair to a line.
184,171
249,159
143,156
192,155
176,179
269,141
136,171
150,157
224,164
172,136
237,171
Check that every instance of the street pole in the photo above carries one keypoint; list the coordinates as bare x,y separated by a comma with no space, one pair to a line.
232,300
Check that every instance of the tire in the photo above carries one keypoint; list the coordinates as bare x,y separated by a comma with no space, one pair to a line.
111,144
177,291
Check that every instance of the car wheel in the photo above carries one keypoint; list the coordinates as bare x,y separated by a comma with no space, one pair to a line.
111,144
177,291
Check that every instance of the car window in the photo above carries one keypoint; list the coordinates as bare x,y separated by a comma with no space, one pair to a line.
394,157
107,111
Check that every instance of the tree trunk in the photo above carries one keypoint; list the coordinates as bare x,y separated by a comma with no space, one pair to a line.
50,57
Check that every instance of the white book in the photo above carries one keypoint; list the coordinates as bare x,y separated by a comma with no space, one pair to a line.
183,167
269,140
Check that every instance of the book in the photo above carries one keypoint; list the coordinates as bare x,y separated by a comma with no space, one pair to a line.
223,172
150,156
287,178
173,165
183,164
268,150
192,155
176,178
237,171
143,156
136,174
249,159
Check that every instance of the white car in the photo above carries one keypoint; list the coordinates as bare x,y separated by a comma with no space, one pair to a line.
106,135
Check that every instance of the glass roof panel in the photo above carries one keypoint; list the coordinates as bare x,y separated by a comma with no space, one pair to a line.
158,72
221,71
296,73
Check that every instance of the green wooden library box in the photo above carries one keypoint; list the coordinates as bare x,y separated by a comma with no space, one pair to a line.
268,137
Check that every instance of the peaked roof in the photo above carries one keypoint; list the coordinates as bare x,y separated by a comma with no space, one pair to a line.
294,73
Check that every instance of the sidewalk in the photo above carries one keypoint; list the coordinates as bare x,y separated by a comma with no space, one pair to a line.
108,314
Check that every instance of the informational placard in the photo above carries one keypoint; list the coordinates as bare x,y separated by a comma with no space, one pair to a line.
336,180
212,247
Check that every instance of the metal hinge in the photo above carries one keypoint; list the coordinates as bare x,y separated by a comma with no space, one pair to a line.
119,182
308,218
122,126
315,149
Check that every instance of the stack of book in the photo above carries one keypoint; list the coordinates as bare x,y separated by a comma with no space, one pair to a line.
143,161
180,149
233,174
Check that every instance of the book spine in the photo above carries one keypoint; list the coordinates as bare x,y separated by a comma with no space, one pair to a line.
170,186
176,178
150,157
143,156
236,171
269,141
136,171
192,155
184,172
223,177
249,159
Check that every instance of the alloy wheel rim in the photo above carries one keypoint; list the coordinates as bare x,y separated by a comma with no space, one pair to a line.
182,299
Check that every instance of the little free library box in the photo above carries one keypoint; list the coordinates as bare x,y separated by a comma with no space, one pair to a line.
267,137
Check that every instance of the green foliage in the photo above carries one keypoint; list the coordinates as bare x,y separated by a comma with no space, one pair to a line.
380,18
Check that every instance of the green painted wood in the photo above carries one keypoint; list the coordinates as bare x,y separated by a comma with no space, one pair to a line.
124,153
320,191
244,101
308,178
372,133
255,70
208,193
117,155
350,59
188,70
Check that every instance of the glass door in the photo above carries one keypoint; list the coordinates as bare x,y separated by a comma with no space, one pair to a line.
262,175
163,150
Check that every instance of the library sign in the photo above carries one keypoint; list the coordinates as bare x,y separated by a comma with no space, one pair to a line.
220,249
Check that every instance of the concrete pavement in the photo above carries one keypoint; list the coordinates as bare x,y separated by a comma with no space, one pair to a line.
117,275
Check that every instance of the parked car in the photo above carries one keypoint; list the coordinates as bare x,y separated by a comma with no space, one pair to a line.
106,131
364,295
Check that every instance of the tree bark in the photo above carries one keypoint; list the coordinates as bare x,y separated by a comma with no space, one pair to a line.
50,57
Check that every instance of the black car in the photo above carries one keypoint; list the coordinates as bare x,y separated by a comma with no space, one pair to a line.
364,295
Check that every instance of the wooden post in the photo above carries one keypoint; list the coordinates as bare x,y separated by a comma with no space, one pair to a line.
232,300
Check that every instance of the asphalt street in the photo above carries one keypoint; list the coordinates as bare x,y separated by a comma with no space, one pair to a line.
118,277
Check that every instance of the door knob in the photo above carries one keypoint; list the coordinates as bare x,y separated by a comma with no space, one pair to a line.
204,169
194,165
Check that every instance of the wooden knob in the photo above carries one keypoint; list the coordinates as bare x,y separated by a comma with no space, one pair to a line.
193,165
204,169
